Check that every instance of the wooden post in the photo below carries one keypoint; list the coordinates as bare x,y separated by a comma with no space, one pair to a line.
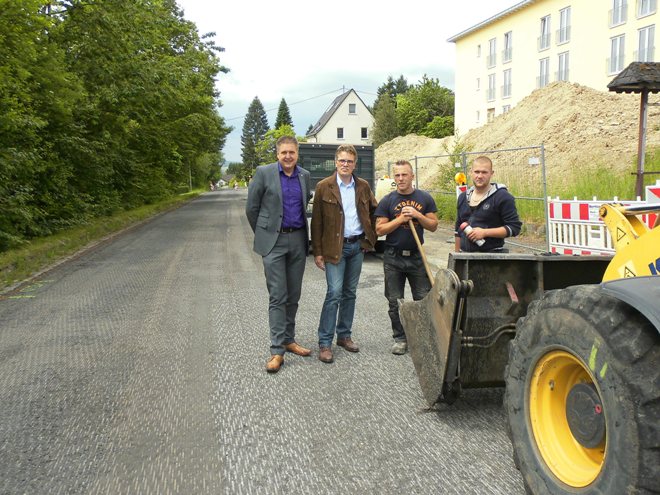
641,145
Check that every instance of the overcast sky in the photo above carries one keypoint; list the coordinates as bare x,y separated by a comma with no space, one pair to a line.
309,52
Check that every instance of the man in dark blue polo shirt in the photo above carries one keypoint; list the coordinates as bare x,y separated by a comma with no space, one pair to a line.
276,205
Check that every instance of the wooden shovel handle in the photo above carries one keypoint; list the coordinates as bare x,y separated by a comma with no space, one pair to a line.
421,250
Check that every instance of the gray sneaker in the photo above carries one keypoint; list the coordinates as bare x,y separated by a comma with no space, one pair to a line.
399,348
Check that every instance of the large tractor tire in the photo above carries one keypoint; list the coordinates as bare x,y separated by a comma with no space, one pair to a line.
583,396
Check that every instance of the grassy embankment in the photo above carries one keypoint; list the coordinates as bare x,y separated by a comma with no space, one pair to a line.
19,264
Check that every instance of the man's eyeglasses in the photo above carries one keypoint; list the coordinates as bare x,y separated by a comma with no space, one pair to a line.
346,162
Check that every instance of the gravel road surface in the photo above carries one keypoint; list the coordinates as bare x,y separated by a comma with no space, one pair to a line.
138,367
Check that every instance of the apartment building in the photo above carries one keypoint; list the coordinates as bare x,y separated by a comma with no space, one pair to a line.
535,42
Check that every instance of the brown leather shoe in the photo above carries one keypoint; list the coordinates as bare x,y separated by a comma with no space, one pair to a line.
348,344
297,349
325,355
274,363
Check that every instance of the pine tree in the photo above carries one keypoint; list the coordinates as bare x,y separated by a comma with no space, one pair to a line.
283,116
255,128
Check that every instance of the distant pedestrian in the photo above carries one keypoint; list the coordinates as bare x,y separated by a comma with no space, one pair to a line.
276,210
342,230
402,260
488,209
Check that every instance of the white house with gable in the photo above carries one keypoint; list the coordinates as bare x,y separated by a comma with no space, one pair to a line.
347,121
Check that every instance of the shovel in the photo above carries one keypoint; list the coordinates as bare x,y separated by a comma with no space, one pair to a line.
428,324
421,250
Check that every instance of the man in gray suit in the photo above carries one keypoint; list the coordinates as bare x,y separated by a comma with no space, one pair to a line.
276,209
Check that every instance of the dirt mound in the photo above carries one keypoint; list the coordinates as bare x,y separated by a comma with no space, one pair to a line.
578,126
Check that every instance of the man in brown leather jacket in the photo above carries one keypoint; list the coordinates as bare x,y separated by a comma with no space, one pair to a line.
343,228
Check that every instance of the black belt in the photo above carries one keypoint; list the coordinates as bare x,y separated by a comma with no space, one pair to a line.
353,238
402,252
288,230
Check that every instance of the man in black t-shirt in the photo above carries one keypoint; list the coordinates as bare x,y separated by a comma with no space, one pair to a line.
402,259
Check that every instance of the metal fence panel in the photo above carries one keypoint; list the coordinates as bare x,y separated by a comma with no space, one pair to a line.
523,172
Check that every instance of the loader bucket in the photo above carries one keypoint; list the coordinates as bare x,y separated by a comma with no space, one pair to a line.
458,335
428,324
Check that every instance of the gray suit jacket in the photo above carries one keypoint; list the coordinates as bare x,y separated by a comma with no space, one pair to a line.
264,205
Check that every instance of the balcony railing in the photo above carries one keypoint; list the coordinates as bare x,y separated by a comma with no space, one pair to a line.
564,35
614,65
619,15
507,53
491,60
644,55
506,91
561,75
542,81
490,94
544,41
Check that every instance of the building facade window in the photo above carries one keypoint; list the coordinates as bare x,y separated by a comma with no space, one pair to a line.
544,38
646,46
490,115
478,83
562,67
619,12
506,108
544,73
364,133
478,116
564,33
478,51
616,60
340,133
507,53
492,53
491,87
506,86
351,108
646,7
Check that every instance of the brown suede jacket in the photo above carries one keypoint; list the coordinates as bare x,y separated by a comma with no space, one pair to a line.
328,218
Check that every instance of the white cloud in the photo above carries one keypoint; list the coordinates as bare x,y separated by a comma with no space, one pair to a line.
301,51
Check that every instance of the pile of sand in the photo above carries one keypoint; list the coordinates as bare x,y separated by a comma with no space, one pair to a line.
578,126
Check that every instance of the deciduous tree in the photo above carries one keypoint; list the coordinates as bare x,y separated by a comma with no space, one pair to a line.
421,104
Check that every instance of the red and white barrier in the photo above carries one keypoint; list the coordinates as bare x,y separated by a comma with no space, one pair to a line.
575,227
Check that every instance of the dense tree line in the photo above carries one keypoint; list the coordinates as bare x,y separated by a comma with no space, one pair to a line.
104,105
425,108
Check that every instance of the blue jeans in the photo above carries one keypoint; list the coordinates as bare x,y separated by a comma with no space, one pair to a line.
339,305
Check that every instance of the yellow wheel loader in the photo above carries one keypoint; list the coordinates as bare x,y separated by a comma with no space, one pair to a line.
575,339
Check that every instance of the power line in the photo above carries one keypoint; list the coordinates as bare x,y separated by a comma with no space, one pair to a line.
343,89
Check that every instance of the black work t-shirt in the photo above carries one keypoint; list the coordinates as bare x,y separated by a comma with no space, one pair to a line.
390,207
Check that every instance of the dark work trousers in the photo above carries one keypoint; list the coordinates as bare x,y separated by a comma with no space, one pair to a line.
398,269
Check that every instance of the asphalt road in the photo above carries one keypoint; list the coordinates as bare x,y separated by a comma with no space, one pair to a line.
138,367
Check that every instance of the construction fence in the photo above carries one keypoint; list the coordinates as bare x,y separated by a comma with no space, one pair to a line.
523,172
549,224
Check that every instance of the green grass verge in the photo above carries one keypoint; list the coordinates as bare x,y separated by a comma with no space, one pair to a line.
19,264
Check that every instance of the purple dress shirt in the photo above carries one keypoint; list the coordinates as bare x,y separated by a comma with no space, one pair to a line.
292,201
